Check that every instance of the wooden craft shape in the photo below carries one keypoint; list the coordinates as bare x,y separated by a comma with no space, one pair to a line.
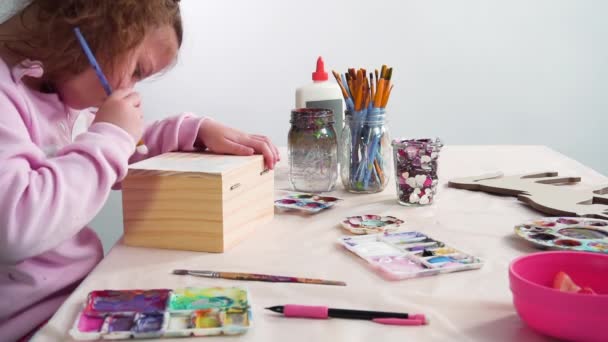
545,192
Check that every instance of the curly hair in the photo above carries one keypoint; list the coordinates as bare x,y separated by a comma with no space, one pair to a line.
112,28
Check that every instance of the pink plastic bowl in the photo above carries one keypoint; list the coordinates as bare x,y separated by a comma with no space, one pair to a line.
570,316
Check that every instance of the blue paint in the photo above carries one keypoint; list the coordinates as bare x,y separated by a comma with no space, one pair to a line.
440,259
151,322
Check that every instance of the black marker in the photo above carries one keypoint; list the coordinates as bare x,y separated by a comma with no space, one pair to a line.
323,312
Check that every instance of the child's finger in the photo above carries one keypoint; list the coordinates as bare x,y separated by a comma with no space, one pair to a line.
264,148
231,147
275,150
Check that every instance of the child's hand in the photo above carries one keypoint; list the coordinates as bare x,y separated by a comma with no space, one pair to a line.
222,139
123,109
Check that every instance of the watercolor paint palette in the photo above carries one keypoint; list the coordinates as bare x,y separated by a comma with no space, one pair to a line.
162,313
310,203
371,224
566,233
403,255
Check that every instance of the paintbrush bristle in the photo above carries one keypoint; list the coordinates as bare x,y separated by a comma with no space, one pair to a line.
180,272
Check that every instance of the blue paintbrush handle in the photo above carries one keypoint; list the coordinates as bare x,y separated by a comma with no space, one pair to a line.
93,61
370,162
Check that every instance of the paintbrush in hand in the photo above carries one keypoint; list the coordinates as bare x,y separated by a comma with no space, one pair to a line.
257,277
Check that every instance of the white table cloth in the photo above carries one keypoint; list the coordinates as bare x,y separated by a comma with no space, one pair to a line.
464,306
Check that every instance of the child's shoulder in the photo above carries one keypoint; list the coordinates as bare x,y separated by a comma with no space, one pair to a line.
12,90
7,82
12,99
5,71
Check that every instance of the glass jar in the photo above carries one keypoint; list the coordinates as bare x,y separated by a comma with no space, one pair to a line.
365,152
416,170
313,150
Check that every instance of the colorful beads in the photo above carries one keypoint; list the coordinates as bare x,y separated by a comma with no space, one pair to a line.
416,170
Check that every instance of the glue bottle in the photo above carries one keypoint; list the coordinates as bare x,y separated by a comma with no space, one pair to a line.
322,94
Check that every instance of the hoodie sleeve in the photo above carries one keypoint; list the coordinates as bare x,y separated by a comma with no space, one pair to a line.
178,133
43,200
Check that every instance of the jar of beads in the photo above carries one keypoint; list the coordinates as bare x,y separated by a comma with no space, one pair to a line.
416,170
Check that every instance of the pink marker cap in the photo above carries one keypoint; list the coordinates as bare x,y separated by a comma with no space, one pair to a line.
292,310
419,317
398,321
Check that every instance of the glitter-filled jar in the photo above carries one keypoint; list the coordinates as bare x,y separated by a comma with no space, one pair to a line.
416,170
313,150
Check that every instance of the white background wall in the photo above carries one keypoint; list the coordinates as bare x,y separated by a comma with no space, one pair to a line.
470,72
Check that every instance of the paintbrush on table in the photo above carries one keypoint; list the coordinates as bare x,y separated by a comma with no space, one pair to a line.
257,277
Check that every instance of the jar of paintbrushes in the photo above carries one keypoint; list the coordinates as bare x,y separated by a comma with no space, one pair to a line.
365,146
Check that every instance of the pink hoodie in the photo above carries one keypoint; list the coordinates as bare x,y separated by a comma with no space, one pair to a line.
51,187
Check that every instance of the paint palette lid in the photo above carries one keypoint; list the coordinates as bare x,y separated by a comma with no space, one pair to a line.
371,224
566,233
309,203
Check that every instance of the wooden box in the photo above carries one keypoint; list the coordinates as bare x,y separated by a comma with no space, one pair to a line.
196,201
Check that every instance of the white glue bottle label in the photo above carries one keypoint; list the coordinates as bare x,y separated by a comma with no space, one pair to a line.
322,94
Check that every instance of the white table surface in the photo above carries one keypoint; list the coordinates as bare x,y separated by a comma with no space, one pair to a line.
464,306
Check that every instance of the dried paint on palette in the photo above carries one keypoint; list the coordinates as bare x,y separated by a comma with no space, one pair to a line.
309,203
566,233
208,298
121,323
149,322
371,224
99,302
403,255
126,314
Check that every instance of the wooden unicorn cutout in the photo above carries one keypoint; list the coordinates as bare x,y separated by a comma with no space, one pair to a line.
545,192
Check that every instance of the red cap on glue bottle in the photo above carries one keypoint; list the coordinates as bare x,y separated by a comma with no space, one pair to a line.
320,74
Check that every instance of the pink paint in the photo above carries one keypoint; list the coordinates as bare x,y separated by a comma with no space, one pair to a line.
90,323
393,266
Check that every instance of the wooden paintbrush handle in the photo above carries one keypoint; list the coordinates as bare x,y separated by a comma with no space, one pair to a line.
254,276
276,279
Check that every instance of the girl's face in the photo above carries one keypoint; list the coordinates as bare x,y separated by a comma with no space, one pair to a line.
155,53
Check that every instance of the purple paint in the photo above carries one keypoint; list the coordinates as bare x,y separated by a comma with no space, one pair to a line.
287,201
564,220
88,323
120,323
150,322
599,224
110,301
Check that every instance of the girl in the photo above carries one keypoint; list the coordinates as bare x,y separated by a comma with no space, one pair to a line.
53,186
